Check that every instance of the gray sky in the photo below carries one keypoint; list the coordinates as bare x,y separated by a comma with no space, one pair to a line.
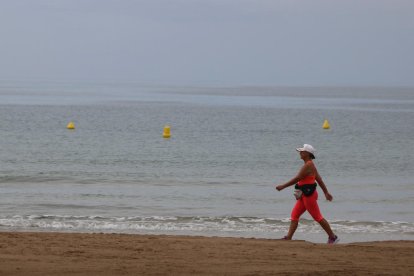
210,42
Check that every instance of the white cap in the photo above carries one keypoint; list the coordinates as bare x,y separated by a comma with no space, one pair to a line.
308,148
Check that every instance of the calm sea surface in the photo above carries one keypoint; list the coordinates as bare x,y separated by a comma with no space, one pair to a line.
216,175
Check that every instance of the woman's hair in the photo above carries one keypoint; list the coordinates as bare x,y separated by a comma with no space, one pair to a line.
311,155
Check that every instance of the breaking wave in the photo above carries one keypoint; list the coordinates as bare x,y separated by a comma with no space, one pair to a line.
227,225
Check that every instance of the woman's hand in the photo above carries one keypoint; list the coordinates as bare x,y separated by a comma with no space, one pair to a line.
328,196
280,187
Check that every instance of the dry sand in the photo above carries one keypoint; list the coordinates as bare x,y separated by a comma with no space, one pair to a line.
120,254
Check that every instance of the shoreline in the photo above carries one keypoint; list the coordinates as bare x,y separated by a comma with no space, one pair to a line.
314,238
58,253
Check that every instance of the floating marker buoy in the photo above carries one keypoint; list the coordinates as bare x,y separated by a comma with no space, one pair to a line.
71,125
167,132
326,125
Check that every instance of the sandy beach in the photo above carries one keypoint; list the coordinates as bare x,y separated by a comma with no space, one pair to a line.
121,254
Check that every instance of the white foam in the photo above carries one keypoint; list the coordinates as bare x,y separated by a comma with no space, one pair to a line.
198,225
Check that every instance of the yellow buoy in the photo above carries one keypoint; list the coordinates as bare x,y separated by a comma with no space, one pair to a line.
167,132
71,125
326,125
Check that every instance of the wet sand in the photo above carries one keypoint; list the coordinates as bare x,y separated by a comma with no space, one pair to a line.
121,254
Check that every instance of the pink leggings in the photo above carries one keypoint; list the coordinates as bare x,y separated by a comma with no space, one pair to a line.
308,203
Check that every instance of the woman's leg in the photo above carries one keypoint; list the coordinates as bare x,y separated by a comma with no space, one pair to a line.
292,228
325,225
297,211
312,206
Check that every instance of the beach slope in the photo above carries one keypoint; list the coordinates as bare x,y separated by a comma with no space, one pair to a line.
121,254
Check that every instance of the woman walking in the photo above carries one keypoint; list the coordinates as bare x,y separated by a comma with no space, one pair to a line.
306,194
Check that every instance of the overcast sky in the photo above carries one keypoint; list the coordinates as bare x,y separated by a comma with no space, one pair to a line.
209,42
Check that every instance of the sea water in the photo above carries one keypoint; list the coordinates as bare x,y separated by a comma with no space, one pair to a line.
216,175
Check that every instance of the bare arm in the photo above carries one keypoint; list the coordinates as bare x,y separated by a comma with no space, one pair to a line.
301,174
323,186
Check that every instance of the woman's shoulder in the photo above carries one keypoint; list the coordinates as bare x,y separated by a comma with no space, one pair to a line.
310,164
